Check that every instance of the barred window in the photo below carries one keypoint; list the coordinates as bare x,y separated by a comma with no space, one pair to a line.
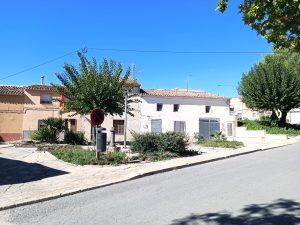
119,126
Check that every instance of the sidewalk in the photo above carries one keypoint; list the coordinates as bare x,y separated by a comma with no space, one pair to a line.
28,176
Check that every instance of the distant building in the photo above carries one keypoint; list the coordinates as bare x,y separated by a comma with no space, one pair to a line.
242,112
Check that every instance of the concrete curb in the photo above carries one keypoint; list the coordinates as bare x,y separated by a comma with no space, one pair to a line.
6,146
139,176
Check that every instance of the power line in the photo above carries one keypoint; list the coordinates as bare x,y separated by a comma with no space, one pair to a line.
39,65
180,52
84,50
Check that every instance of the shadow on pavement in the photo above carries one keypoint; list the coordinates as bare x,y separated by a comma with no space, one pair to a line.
280,212
15,171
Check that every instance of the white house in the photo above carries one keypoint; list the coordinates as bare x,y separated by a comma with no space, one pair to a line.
184,111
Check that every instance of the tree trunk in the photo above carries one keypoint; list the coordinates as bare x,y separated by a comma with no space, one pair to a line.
274,117
282,120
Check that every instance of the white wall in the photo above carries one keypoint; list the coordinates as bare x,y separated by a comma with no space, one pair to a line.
190,111
133,123
293,116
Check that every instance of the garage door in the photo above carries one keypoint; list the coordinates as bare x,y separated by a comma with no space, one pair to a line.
208,127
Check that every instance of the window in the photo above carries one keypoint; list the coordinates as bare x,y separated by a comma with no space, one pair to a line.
46,99
156,125
179,126
71,124
231,110
159,106
119,126
175,107
207,109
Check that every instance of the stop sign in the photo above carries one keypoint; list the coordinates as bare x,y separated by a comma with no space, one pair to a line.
97,117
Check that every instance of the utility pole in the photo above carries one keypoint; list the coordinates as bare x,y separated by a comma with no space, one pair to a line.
125,120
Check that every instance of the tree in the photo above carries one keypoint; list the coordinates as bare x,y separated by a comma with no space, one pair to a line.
272,85
94,86
276,20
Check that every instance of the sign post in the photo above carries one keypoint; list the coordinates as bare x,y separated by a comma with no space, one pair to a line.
97,118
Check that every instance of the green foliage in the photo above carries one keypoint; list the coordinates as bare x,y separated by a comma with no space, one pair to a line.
113,158
221,143
272,85
277,20
49,130
217,140
218,136
174,142
160,142
270,127
147,142
74,138
94,86
157,156
79,156
198,137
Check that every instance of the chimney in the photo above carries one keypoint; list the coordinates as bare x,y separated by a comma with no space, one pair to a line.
42,80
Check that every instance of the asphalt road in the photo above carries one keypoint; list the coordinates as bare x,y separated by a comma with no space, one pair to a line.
260,188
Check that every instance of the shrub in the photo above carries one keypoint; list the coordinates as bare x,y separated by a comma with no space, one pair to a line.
218,136
157,156
74,138
174,142
198,137
147,142
113,158
160,142
49,130
270,127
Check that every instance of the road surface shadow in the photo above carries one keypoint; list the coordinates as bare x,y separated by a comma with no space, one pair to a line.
15,172
279,212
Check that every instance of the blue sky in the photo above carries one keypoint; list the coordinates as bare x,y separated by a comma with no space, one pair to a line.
35,31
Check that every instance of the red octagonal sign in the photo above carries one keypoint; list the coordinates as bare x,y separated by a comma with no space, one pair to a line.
97,117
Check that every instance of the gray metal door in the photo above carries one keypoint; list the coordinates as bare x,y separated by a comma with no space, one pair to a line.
208,127
179,126
156,126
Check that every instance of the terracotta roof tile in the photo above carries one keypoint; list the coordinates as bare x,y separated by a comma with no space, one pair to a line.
39,87
11,90
179,93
